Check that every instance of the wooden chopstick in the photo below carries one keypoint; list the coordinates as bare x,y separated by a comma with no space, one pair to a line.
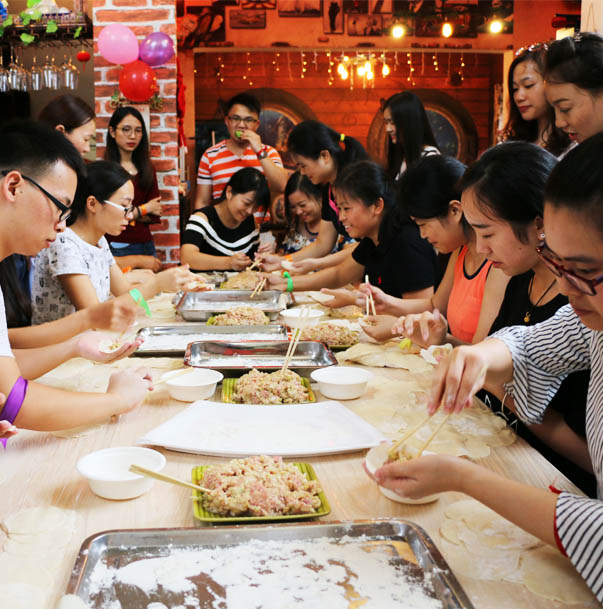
259,287
303,315
149,473
253,264
369,299
433,435
393,451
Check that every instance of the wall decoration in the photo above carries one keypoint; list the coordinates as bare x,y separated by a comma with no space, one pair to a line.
332,16
356,7
365,25
274,130
201,25
247,20
300,8
258,4
381,7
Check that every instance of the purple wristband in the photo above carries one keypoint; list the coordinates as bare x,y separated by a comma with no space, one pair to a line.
13,403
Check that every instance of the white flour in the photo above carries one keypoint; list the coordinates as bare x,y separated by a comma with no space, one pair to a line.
231,361
272,575
173,342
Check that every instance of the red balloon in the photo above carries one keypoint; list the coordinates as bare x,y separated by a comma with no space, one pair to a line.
137,81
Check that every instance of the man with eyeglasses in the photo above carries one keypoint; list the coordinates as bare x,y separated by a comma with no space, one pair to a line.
39,170
244,148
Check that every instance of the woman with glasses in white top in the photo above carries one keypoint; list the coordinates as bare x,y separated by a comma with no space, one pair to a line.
78,270
128,145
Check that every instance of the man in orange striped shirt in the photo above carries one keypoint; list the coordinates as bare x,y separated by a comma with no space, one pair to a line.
244,148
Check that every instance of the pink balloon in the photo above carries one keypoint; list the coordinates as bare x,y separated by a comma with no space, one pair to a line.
118,44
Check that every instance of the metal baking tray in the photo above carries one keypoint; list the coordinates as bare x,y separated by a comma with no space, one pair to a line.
239,357
408,546
182,335
200,306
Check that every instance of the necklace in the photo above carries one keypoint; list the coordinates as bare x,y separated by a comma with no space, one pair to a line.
309,231
528,316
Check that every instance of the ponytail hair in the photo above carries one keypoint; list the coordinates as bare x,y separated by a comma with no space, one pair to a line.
310,138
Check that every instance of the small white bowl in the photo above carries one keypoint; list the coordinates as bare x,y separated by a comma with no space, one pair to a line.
342,382
293,320
198,384
375,458
107,471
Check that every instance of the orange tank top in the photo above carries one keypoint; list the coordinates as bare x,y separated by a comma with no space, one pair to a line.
465,302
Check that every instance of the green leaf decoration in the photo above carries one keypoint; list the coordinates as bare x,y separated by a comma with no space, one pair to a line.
8,21
51,27
27,38
25,18
77,32
32,3
35,15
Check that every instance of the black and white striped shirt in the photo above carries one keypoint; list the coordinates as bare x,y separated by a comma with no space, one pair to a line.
206,231
543,355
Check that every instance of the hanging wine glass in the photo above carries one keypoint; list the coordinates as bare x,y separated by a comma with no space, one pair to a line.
36,78
24,74
3,78
47,74
69,74
14,73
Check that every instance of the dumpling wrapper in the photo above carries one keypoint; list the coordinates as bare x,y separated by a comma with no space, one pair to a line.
287,265
320,297
110,346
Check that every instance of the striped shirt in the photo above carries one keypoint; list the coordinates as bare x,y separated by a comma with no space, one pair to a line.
206,231
218,164
543,355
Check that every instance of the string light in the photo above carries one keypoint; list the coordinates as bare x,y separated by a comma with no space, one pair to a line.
398,31
330,70
303,64
385,69
275,62
435,62
496,26
315,61
447,29
411,69
247,75
219,76
461,69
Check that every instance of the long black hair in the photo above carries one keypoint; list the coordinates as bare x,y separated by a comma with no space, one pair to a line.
103,179
249,179
366,182
17,301
298,182
413,131
519,129
427,187
577,60
310,138
508,182
141,156
576,183
67,110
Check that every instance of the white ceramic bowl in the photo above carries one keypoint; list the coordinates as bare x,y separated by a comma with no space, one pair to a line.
107,471
292,317
375,458
198,384
342,382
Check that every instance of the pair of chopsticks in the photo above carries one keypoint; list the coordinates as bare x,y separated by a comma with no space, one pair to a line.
259,287
303,316
393,451
252,265
369,302
149,473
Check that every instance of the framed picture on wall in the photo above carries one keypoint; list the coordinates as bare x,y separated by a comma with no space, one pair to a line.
365,25
258,4
356,7
295,8
202,24
380,7
332,16
247,20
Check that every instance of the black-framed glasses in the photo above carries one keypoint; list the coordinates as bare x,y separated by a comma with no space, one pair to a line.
127,130
65,211
248,120
582,284
126,210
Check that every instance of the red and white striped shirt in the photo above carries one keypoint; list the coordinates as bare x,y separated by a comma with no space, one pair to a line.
218,164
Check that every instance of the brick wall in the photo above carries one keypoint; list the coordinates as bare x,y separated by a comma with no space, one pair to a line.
144,17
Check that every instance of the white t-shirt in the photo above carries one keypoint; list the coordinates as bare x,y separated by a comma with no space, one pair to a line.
4,344
68,255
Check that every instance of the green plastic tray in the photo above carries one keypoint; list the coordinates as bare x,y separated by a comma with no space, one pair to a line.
228,387
200,513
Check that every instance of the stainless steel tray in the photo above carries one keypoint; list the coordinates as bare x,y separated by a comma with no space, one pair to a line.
200,306
420,561
238,357
158,344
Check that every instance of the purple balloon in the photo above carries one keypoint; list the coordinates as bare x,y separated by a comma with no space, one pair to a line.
156,48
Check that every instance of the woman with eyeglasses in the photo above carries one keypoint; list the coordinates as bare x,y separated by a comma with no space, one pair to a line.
574,84
78,270
531,118
128,145
409,134
532,362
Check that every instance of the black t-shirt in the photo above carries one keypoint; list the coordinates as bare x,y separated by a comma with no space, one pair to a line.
404,263
205,230
330,213
569,401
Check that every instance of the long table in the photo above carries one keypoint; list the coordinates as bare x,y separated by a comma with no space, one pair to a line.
39,469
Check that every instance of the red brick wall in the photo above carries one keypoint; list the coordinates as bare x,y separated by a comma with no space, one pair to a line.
144,17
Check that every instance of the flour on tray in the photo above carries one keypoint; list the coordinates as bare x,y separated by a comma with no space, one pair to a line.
309,574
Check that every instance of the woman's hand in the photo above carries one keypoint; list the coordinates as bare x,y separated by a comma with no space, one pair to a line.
239,261
115,315
138,276
380,328
424,329
457,379
380,298
269,262
341,297
268,247
87,345
275,281
174,279
130,388
7,429
417,478
154,206
151,263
